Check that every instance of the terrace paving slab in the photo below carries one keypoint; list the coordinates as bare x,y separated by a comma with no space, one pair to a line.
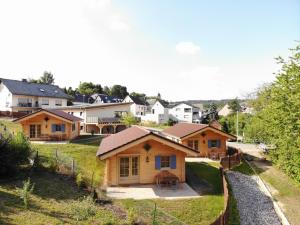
139,192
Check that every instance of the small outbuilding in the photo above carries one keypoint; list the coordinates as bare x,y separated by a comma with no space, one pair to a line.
50,125
137,156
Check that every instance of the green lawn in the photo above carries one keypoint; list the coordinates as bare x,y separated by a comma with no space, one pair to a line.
51,203
84,156
202,210
11,126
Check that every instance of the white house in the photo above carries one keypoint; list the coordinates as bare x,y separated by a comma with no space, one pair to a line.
99,118
184,112
139,106
158,113
26,97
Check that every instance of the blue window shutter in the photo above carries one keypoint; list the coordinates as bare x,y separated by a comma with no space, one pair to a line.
63,128
173,161
157,162
219,143
53,128
209,143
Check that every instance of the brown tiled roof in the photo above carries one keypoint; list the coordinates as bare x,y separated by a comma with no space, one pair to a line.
58,113
127,136
183,129
119,139
63,114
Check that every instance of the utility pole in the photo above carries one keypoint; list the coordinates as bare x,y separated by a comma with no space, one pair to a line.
237,124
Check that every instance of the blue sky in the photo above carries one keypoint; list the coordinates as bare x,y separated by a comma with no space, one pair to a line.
182,49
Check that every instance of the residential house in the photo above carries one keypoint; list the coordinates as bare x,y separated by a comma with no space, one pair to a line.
225,110
139,106
50,124
158,113
184,112
208,141
25,97
103,98
99,118
138,156
80,99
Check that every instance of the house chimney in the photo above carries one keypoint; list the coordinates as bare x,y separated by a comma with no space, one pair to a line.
24,80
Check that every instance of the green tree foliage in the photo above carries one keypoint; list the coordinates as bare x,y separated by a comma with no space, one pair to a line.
277,115
47,78
118,91
129,119
106,90
14,152
138,95
229,123
88,88
234,105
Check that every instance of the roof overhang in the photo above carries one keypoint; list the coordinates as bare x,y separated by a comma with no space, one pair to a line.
150,136
229,136
42,111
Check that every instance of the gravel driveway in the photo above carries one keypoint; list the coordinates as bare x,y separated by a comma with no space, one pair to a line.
255,208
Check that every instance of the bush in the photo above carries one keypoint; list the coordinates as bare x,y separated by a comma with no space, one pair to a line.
79,181
83,209
25,192
14,152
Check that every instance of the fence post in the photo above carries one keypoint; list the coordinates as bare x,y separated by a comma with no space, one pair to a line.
73,167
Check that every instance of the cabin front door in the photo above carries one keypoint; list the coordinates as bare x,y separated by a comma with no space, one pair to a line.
129,169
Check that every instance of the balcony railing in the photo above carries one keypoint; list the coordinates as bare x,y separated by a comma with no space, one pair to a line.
29,104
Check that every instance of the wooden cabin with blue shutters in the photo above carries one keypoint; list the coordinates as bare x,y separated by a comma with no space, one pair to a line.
137,155
50,125
208,140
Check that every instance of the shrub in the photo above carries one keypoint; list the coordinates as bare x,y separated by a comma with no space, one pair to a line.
83,209
14,152
79,181
25,192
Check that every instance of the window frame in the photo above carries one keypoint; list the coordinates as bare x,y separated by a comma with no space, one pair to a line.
165,162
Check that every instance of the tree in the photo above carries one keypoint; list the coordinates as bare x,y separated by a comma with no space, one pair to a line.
129,119
119,91
234,105
106,90
277,115
46,78
138,95
98,89
210,114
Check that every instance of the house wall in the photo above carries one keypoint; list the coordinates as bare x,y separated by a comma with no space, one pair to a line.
46,127
147,169
5,98
135,109
204,149
158,114
177,113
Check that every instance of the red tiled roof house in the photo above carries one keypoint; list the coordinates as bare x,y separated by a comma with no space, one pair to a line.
137,156
49,124
207,140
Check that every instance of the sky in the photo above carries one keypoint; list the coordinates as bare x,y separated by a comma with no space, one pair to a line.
180,49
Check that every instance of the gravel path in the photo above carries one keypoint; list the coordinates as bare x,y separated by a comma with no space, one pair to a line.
255,208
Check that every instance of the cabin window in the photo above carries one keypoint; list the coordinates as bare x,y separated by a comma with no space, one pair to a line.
214,143
58,128
165,162
194,144
124,167
73,126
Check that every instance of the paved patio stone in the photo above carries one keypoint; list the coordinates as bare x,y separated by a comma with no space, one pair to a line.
151,192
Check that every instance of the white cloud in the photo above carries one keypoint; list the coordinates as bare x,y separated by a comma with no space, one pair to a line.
116,24
188,48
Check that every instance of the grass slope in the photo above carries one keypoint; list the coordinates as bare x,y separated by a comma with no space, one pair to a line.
50,204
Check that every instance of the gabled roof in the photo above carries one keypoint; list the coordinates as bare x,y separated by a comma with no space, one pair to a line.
83,98
182,130
17,87
177,104
138,101
54,112
106,98
130,135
